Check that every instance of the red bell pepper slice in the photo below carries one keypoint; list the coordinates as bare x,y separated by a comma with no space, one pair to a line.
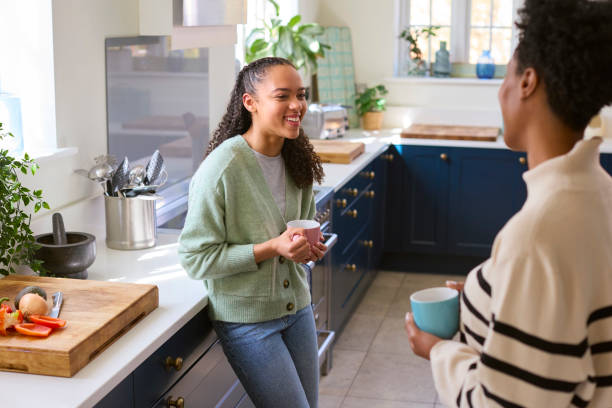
32,329
9,319
48,321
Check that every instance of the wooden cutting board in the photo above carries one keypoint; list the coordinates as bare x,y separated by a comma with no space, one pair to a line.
337,151
480,133
97,313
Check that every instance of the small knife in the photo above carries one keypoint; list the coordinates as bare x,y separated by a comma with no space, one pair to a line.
57,304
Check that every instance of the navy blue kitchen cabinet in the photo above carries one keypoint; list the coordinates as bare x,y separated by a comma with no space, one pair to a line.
425,199
189,368
358,219
486,190
451,200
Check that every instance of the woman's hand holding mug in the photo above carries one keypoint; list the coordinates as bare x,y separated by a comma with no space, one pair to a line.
292,244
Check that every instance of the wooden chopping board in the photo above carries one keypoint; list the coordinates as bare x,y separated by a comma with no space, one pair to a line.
481,133
337,151
97,313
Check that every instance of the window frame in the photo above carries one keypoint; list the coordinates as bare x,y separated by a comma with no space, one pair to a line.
460,31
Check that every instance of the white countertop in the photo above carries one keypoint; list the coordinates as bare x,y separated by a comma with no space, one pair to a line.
180,299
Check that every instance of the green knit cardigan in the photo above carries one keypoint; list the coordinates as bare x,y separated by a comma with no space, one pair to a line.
231,208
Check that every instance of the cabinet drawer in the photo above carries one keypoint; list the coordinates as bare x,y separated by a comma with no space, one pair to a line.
350,271
349,221
211,382
355,186
152,378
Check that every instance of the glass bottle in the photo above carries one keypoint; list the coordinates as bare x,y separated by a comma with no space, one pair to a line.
442,65
485,67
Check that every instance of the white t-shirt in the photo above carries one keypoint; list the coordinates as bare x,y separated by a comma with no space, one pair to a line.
274,172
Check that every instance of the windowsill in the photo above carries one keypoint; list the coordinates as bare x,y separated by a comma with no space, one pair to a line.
446,81
46,155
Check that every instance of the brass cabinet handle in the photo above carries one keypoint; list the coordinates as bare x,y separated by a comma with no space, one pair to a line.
178,403
388,157
371,175
351,267
368,174
370,194
522,160
176,363
341,203
352,213
368,244
444,156
351,191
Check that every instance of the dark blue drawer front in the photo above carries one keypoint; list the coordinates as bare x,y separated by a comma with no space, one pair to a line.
346,226
122,396
152,379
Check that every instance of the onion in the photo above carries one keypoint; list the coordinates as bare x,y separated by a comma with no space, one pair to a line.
33,303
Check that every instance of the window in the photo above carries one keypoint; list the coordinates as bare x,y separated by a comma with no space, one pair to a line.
468,26
27,83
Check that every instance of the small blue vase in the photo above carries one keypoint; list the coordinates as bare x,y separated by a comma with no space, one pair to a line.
442,66
485,68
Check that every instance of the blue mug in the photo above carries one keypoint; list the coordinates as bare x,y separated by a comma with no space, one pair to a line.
436,311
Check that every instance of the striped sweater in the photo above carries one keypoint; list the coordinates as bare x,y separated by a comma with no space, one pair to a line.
536,318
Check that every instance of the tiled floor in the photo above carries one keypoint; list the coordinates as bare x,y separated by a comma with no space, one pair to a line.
373,364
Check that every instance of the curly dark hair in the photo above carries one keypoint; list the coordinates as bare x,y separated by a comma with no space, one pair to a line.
569,44
302,163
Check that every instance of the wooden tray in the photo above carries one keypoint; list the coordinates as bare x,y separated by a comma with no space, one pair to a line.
97,313
481,133
337,151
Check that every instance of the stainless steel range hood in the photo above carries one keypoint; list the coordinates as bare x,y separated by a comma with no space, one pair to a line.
199,13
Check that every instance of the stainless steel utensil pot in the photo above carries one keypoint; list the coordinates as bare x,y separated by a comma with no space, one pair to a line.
130,223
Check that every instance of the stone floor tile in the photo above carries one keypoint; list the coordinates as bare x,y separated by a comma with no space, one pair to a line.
391,338
345,365
377,300
330,401
359,332
388,279
394,377
351,402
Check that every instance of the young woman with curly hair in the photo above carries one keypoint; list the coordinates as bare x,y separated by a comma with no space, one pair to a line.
536,318
257,175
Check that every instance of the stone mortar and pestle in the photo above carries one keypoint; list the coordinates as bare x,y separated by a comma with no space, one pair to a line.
66,254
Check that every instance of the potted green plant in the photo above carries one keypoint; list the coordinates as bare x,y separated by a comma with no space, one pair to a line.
294,41
370,105
17,244
416,65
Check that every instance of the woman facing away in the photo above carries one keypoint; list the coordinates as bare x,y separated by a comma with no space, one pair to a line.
257,176
536,318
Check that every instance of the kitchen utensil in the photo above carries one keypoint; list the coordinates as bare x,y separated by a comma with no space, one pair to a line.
121,176
100,173
57,304
137,175
154,167
97,313
59,232
132,190
70,258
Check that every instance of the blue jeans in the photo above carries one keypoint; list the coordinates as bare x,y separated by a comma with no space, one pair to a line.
276,361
